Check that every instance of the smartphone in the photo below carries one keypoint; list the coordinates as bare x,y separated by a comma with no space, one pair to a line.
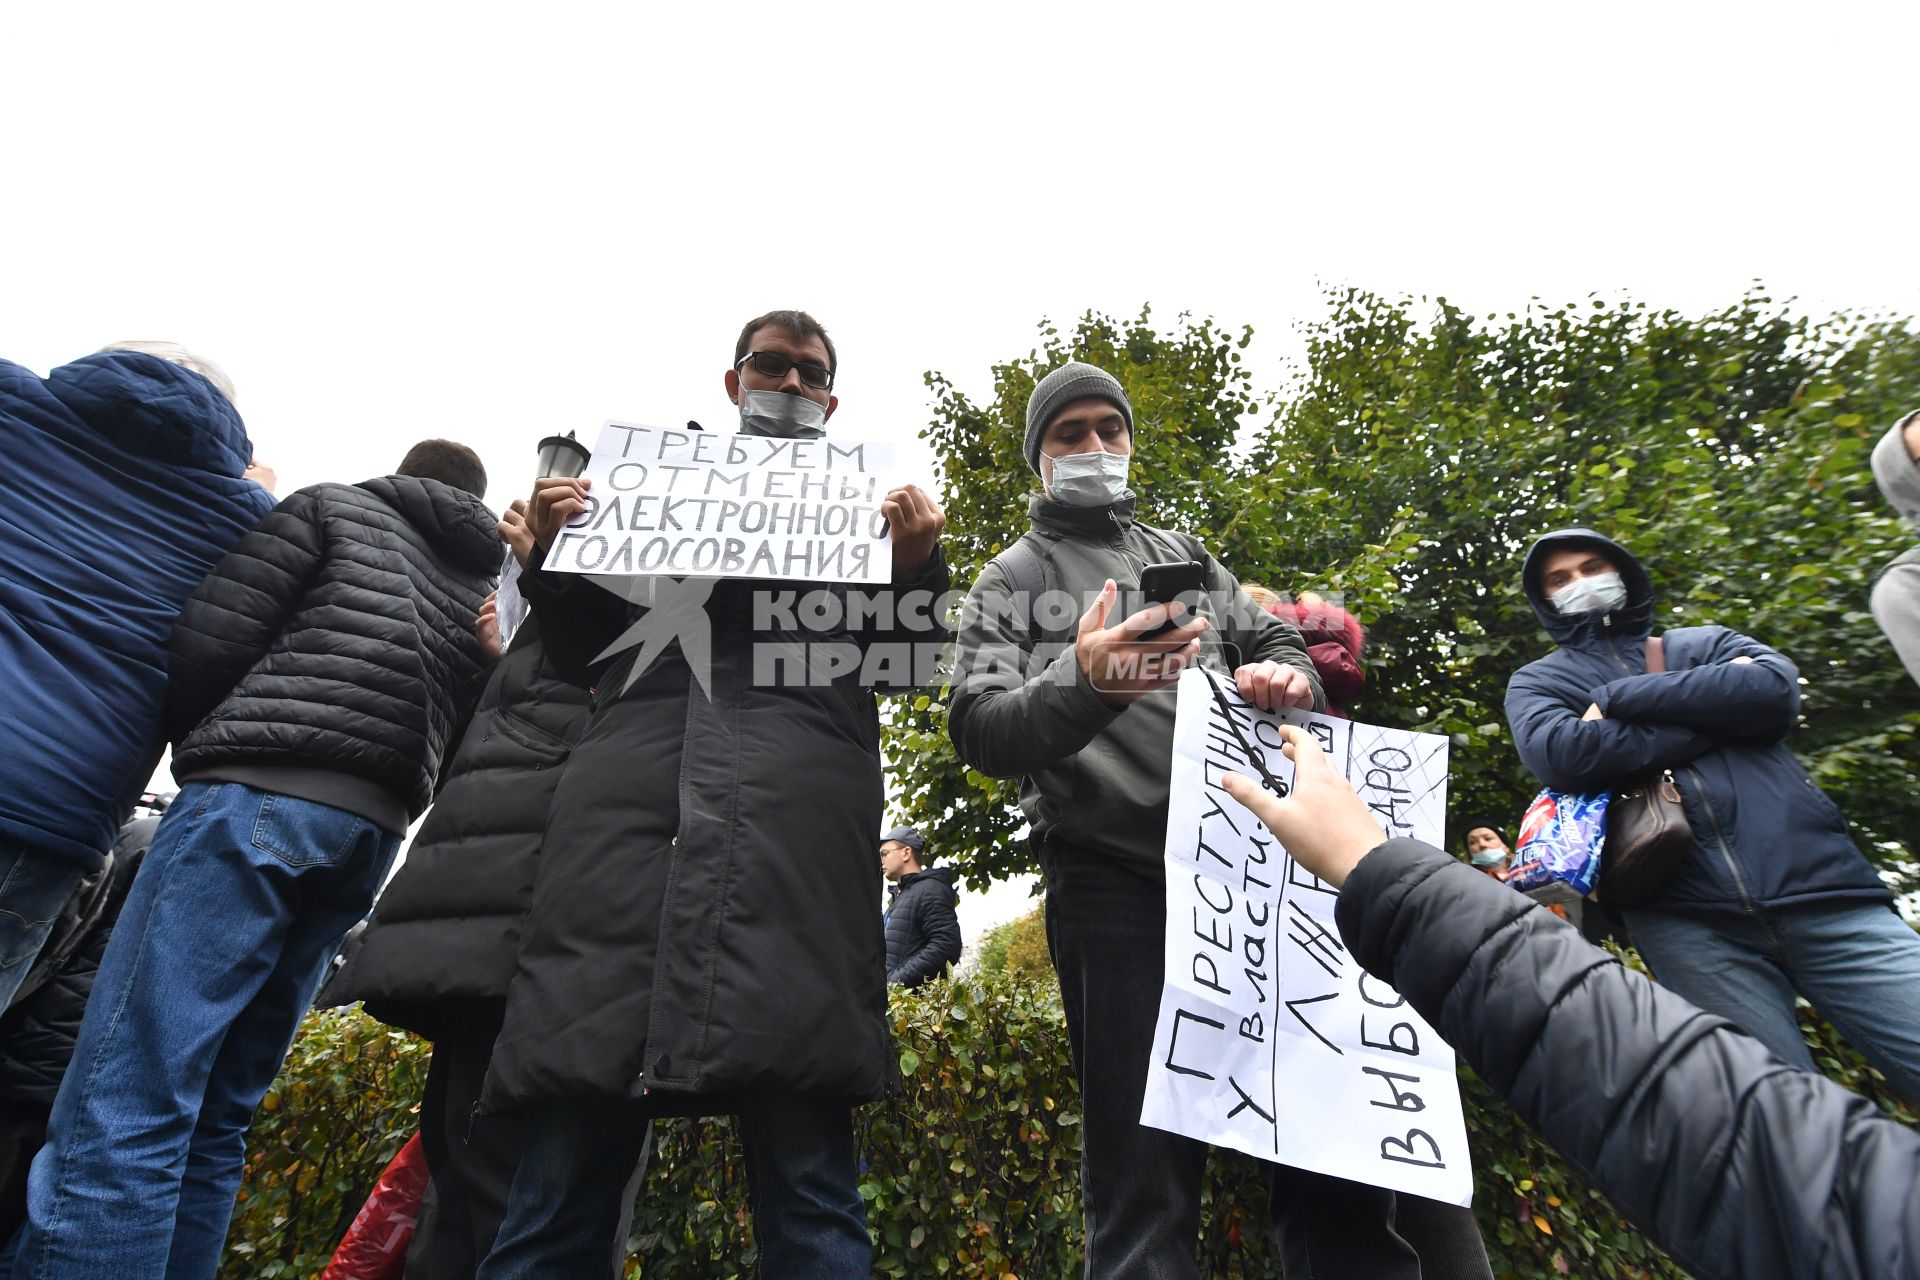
1182,580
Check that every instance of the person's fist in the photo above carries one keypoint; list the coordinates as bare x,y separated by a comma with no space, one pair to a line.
556,500
487,625
1322,823
915,521
515,532
1274,686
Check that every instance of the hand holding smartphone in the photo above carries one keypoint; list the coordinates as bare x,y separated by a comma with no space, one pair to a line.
1181,580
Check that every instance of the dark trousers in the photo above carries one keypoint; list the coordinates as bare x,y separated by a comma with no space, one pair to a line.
471,1158
1140,1186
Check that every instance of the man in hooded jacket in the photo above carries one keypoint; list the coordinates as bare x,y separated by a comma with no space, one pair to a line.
1896,596
1774,898
701,937
150,460
318,677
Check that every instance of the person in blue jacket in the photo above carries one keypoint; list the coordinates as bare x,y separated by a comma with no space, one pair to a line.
125,481
1773,898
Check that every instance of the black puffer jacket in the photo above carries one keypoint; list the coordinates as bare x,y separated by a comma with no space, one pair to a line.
923,933
447,927
38,1033
1735,1163
339,635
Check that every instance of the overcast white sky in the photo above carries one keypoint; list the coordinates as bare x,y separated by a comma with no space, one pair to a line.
491,222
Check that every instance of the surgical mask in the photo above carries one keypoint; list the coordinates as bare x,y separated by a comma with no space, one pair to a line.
1601,593
775,413
1488,857
1089,479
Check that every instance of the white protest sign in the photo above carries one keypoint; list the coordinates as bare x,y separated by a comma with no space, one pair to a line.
1272,1040
682,503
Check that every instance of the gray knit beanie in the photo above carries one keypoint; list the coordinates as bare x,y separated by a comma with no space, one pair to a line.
1071,381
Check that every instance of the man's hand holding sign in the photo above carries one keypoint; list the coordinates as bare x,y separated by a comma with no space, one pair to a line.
914,522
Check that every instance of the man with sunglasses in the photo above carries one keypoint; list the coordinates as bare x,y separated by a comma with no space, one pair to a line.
701,938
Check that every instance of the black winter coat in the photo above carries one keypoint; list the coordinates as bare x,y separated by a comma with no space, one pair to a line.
1741,1167
1764,834
447,926
923,933
38,1033
339,635
703,914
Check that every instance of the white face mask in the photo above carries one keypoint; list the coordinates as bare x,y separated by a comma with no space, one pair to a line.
775,413
1089,479
1601,593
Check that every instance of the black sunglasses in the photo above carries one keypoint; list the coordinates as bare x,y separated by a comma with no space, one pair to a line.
772,364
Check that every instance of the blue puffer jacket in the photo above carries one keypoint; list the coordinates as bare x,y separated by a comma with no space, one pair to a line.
1764,834
122,487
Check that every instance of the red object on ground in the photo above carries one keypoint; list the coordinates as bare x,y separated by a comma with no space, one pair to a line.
376,1244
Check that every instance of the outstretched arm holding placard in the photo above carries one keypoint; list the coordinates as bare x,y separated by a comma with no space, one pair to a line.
1733,1162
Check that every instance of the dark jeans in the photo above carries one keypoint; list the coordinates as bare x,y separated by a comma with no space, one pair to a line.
34,886
471,1158
1106,931
808,1219
1857,962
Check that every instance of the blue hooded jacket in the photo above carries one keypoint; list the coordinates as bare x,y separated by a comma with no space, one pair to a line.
1764,834
122,487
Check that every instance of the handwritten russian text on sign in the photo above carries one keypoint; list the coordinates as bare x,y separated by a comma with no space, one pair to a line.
695,504
1272,1040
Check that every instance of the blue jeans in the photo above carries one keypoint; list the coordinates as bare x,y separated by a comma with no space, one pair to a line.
808,1219
33,888
1858,963
241,900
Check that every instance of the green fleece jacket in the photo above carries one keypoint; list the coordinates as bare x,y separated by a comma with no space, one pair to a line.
1091,774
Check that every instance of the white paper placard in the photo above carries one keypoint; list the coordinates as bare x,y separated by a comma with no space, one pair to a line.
682,503
1271,1039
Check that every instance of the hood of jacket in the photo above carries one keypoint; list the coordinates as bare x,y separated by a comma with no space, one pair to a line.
942,874
1897,474
1633,620
155,408
458,525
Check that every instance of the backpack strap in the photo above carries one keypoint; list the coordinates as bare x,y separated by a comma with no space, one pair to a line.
1028,579
1185,544
1027,576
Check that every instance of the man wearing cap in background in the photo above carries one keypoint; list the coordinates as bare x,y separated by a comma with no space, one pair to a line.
1083,716
923,933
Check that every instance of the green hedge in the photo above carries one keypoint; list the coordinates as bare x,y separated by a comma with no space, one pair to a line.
973,1173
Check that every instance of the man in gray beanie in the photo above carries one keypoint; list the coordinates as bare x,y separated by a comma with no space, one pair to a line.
1070,382
1082,713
